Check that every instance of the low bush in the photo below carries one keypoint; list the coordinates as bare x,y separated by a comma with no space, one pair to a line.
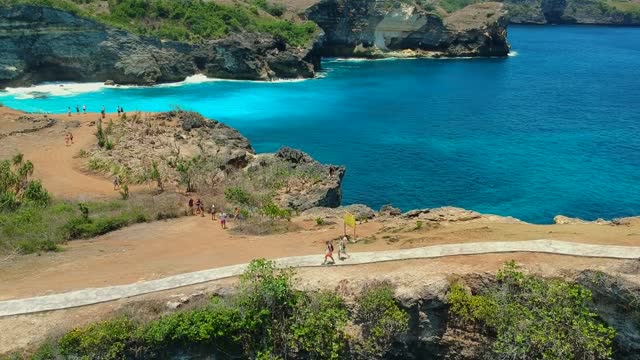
529,317
266,318
105,340
32,228
381,319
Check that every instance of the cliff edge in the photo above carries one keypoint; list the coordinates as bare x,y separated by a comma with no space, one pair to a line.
370,28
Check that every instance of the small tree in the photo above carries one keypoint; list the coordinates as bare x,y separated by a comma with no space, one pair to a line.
187,170
154,175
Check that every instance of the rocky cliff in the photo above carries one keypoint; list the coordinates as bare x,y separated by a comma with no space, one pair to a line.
40,44
207,156
373,28
573,12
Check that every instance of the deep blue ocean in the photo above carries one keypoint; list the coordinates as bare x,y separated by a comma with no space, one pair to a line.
554,129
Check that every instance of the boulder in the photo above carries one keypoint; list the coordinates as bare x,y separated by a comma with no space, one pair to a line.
389,210
564,220
443,214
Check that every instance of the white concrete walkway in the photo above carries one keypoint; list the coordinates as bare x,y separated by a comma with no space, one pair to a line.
97,295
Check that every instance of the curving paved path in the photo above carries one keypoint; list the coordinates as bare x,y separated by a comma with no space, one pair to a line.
97,295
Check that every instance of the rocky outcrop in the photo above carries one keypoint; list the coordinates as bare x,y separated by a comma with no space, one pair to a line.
564,220
326,190
453,214
199,154
371,28
361,212
40,44
568,12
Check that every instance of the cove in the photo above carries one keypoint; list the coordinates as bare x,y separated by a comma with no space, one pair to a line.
554,129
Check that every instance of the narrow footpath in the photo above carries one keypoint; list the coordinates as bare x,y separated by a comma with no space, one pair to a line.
98,295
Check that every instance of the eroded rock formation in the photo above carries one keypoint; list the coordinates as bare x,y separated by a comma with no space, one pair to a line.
371,28
40,44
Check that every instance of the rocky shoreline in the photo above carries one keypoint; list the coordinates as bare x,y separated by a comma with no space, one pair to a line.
43,44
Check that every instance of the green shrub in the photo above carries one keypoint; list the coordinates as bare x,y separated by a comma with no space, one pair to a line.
105,340
319,221
533,317
215,325
8,201
318,327
238,196
124,193
266,318
381,319
419,225
36,194
273,211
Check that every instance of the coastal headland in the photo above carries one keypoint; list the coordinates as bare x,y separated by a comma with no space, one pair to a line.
156,248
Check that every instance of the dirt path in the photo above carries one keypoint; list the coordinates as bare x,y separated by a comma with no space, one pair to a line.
55,163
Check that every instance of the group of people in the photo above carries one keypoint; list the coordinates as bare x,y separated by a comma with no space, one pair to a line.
342,251
120,110
84,109
197,208
103,111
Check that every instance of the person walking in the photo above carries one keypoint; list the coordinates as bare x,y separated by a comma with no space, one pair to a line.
84,109
103,112
116,182
329,254
191,206
342,249
78,109
213,212
199,207
223,220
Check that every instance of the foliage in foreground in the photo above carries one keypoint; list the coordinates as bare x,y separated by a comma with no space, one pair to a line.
535,318
267,318
16,186
188,20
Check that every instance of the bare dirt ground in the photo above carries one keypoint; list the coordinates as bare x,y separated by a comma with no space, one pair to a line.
55,163
159,249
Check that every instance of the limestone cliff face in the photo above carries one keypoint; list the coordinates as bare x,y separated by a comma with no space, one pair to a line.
567,12
41,44
375,28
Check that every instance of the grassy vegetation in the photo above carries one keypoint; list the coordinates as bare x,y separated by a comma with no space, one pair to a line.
626,7
455,5
31,222
267,318
33,228
188,20
529,317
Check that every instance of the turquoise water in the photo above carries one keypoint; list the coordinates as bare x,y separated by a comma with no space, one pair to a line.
552,130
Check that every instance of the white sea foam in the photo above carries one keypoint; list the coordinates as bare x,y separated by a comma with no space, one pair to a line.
71,89
513,53
52,89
